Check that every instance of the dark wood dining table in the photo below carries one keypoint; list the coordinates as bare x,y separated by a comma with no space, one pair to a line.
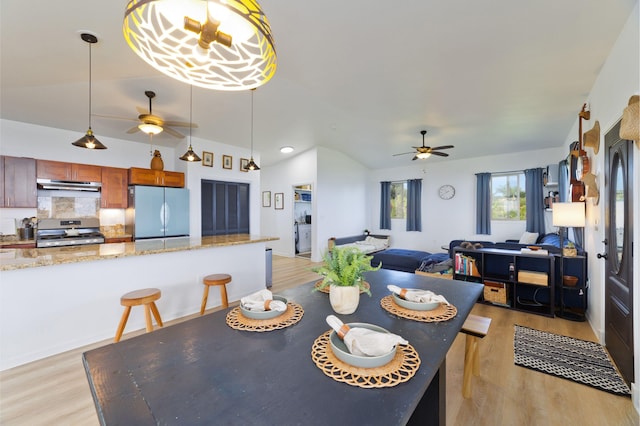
202,371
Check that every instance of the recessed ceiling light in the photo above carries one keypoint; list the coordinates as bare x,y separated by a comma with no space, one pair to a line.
286,149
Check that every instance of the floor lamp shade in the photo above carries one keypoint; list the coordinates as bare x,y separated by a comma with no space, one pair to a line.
569,215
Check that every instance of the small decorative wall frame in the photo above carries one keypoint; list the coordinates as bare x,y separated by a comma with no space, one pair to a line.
244,162
266,198
207,159
278,200
227,162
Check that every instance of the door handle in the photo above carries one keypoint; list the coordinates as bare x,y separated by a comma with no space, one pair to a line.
602,256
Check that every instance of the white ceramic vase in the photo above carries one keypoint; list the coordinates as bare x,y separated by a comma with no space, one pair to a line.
344,300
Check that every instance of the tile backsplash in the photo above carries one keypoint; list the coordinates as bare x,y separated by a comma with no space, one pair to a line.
68,204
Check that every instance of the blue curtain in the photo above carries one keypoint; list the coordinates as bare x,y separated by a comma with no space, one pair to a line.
535,200
483,203
563,181
414,202
385,205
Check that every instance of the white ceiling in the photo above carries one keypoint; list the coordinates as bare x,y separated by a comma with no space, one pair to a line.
361,77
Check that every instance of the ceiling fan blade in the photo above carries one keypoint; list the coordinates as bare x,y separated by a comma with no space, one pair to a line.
174,133
442,147
441,154
113,117
133,129
180,124
414,158
142,110
403,153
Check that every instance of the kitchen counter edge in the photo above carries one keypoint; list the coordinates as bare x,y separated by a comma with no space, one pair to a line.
13,259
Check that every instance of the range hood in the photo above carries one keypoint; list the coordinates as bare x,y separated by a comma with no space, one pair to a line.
68,185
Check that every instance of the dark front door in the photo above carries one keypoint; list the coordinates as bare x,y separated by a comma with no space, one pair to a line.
618,257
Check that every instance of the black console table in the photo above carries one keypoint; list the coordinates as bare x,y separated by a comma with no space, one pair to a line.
202,371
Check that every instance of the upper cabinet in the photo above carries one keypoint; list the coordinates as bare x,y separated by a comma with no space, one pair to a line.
149,177
114,188
18,186
68,171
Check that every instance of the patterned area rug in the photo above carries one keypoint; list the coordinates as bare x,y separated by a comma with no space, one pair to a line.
578,360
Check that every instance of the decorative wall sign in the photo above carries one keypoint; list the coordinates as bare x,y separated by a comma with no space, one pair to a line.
207,159
266,198
278,200
227,162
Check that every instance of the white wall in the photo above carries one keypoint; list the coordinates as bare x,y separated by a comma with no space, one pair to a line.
617,81
446,220
27,140
338,202
282,177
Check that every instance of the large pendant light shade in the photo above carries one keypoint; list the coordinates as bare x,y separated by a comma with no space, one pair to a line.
190,155
89,141
215,44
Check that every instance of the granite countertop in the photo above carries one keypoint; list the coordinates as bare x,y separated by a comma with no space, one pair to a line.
12,259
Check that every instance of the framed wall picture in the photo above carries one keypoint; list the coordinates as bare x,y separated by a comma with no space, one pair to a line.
227,161
244,162
278,200
266,198
207,159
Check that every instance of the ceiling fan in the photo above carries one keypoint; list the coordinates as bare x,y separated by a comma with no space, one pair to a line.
423,152
152,124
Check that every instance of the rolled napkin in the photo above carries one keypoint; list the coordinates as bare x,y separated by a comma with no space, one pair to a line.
262,301
364,342
415,295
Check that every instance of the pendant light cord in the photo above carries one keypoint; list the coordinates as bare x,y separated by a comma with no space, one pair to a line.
190,112
252,90
90,85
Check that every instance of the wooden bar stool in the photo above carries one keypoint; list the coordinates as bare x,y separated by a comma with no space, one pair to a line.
219,280
146,297
475,327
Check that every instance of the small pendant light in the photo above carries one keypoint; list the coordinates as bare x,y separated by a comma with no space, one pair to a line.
190,155
89,141
251,165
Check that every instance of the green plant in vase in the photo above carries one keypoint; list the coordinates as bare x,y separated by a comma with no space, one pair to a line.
345,267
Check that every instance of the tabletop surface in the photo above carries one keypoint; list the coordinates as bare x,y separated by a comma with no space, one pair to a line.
202,371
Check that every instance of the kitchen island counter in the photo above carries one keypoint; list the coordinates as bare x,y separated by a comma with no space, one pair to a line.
11,259
56,299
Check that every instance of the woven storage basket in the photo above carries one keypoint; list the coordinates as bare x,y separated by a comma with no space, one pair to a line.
495,292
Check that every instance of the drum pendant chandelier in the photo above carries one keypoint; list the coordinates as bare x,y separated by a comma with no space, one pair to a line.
215,44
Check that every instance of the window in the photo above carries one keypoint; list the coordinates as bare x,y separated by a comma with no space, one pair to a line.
508,201
398,200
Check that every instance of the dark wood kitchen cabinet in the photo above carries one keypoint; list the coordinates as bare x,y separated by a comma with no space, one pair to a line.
68,171
114,188
149,177
18,184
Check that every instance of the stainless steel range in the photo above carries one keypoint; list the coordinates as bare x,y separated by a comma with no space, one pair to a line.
68,232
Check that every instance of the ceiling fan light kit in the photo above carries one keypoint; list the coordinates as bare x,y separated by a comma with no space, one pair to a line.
150,129
214,44
89,141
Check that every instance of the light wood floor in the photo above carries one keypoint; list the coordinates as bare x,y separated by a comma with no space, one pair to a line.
54,391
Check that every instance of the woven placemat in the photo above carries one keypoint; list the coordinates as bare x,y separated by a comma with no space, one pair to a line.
326,289
292,315
442,313
400,369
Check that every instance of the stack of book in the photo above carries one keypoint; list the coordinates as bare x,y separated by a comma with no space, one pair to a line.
466,265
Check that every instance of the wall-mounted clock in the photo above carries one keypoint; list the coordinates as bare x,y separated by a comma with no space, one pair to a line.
446,192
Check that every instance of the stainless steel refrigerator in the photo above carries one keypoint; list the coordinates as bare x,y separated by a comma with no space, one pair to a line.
157,212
